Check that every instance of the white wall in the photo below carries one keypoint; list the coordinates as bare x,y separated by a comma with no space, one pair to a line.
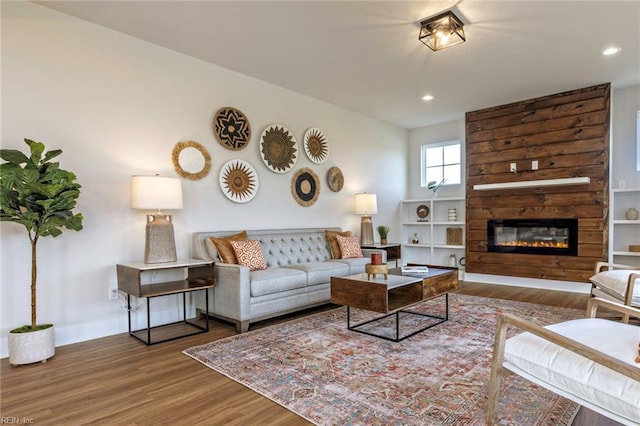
626,104
116,106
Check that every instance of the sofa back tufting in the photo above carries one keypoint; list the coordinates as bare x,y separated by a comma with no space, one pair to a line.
280,247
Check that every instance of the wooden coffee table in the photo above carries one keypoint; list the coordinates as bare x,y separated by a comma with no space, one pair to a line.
392,295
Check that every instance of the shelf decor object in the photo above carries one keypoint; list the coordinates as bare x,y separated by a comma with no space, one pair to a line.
191,160
335,179
422,211
533,183
442,31
278,148
239,181
161,193
305,187
366,204
232,128
316,146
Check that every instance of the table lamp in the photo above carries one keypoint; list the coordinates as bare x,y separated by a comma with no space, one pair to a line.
157,193
366,204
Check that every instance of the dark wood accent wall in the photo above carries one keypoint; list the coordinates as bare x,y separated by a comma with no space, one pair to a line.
568,133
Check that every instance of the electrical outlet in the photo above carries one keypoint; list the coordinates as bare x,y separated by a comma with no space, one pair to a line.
512,168
534,165
114,294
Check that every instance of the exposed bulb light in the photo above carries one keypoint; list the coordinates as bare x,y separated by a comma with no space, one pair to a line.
611,51
427,98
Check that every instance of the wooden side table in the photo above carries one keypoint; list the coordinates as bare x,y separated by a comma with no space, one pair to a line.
144,280
392,249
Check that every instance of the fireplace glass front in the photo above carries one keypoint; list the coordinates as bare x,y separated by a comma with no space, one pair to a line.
533,236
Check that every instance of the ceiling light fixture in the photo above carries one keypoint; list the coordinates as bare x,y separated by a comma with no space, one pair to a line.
427,98
442,31
611,51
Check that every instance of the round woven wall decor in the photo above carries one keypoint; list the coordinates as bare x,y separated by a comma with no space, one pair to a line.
239,181
335,179
278,148
191,160
316,146
305,187
232,128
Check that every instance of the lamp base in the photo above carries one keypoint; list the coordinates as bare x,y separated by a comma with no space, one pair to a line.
366,231
160,244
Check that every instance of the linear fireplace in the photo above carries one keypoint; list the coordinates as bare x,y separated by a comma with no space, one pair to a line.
533,236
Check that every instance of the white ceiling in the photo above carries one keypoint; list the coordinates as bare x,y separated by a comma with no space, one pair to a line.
365,55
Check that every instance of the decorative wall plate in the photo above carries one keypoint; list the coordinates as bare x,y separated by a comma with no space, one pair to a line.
278,148
316,146
232,128
191,160
305,187
335,180
239,181
422,211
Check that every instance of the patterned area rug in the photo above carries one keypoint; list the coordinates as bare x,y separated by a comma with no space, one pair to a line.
316,368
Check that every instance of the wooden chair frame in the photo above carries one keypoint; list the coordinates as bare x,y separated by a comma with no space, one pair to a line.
506,320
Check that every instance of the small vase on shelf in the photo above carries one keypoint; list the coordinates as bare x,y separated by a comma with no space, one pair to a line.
631,214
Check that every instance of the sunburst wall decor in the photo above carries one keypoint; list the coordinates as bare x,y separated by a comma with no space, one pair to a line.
239,181
278,148
305,187
232,128
316,146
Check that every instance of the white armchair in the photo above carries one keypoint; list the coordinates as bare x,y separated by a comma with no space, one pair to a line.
591,361
620,283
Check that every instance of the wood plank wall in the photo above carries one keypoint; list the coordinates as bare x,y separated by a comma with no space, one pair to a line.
568,133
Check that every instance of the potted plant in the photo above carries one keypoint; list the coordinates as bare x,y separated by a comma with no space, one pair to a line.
384,232
39,195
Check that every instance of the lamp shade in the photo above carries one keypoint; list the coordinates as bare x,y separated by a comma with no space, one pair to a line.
156,192
365,204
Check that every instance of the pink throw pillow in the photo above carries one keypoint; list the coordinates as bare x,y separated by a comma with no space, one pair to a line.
249,254
349,247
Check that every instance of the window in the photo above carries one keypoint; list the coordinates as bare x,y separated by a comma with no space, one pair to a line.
441,161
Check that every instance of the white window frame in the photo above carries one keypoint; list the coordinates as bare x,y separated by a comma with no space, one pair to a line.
423,160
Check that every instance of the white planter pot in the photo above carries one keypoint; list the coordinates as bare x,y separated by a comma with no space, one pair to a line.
35,346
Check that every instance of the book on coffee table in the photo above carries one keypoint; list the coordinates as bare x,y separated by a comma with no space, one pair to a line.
418,270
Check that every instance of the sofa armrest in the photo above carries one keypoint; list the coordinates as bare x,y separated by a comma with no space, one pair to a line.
232,292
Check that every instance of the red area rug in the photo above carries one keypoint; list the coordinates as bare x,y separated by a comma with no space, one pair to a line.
316,368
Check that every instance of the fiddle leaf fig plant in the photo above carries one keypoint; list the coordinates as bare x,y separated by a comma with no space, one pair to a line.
37,194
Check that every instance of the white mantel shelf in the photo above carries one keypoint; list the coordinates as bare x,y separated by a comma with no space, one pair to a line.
533,183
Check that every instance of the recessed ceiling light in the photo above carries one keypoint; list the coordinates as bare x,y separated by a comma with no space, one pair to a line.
427,98
611,51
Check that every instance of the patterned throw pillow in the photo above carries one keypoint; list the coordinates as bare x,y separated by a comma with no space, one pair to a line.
249,254
333,242
349,247
223,246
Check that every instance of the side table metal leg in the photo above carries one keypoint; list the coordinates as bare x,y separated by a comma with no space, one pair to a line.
206,309
129,311
148,321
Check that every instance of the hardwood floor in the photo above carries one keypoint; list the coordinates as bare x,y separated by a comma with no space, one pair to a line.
118,380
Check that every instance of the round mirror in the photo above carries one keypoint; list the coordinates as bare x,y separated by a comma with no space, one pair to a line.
191,160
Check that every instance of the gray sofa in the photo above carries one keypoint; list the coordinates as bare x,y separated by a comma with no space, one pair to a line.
298,275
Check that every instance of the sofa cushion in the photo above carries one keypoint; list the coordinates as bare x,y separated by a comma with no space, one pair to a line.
356,264
333,242
223,246
321,272
284,249
349,247
578,375
274,280
249,254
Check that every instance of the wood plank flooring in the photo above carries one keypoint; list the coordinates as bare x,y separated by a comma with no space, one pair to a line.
117,380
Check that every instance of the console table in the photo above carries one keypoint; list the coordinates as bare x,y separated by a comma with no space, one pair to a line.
145,280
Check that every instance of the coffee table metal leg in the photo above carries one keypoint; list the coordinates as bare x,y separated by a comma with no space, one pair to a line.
397,325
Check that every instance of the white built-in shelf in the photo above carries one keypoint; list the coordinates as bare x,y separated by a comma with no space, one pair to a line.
533,183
